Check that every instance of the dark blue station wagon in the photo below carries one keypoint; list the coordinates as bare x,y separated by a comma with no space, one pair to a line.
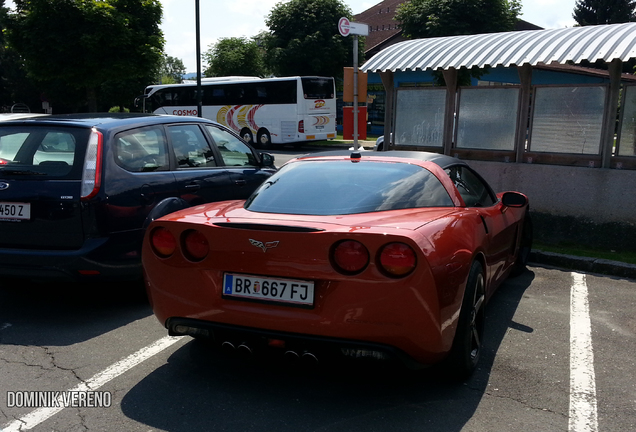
76,192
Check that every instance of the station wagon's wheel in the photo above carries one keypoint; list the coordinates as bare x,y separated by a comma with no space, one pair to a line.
467,345
247,136
264,139
525,247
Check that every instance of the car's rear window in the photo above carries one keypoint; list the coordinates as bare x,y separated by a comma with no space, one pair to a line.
40,151
345,187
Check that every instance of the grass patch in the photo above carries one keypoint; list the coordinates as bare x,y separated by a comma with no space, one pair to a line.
622,256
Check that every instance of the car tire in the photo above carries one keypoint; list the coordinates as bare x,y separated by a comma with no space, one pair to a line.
525,247
264,139
467,345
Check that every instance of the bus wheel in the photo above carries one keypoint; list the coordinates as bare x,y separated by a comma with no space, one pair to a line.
247,136
264,139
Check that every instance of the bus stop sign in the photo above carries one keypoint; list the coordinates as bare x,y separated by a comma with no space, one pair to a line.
345,27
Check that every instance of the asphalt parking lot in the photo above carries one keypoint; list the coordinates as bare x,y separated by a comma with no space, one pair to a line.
543,368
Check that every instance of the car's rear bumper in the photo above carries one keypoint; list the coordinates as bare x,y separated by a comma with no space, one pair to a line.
289,345
87,263
404,320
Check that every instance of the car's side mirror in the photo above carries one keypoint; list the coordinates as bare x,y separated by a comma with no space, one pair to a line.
514,199
267,160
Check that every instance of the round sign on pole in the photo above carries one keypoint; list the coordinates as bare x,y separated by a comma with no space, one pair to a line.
344,26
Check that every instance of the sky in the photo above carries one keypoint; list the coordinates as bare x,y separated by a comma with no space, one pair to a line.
246,18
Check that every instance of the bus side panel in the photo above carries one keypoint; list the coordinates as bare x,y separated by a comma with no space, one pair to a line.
178,110
278,120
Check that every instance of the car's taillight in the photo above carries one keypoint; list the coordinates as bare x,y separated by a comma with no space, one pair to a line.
349,257
163,242
301,126
92,173
195,245
397,259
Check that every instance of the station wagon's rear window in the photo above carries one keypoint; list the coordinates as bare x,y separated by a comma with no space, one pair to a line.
47,152
345,187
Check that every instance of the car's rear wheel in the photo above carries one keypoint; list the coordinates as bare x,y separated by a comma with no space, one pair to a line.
467,345
525,247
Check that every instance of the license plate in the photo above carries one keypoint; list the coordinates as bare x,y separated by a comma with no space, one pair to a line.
15,211
291,291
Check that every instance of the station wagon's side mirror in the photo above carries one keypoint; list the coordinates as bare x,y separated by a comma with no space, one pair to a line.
267,160
514,199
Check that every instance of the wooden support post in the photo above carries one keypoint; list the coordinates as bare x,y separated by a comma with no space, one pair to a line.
389,107
450,76
610,110
525,77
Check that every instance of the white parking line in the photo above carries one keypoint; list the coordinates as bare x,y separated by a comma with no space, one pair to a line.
39,415
583,414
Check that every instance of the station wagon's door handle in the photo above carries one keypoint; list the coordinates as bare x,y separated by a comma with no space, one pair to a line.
145,198
240,182
193,186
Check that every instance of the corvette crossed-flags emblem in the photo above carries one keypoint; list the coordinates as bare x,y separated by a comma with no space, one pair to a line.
264,246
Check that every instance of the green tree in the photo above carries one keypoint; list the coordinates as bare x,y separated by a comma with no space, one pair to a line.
303,38
172,70
433,18
592,12
235,57
15,86
436,18
5,93
109,49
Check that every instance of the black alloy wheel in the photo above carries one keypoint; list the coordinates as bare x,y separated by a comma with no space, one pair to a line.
465,352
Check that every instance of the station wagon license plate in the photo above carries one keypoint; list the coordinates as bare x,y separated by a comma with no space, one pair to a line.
291,291
15,211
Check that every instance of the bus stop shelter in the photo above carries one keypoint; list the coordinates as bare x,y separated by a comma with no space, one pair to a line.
516,120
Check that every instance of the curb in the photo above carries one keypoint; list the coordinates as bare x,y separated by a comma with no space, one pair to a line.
584,264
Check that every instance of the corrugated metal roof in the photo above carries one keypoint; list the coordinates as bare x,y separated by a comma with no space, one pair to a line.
575,44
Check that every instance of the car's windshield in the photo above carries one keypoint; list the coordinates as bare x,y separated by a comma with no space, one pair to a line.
345,187
41,151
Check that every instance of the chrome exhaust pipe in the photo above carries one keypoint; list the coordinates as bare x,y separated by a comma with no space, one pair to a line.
309,358
245,349
228,346
292,356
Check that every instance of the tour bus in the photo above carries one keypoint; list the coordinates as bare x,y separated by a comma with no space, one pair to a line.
263,111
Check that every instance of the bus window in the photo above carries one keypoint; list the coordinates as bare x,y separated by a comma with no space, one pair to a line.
318,88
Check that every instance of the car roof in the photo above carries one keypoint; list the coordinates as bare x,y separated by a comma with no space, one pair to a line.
442,160
15,116
104,120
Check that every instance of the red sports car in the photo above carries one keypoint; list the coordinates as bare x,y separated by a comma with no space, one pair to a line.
366,255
